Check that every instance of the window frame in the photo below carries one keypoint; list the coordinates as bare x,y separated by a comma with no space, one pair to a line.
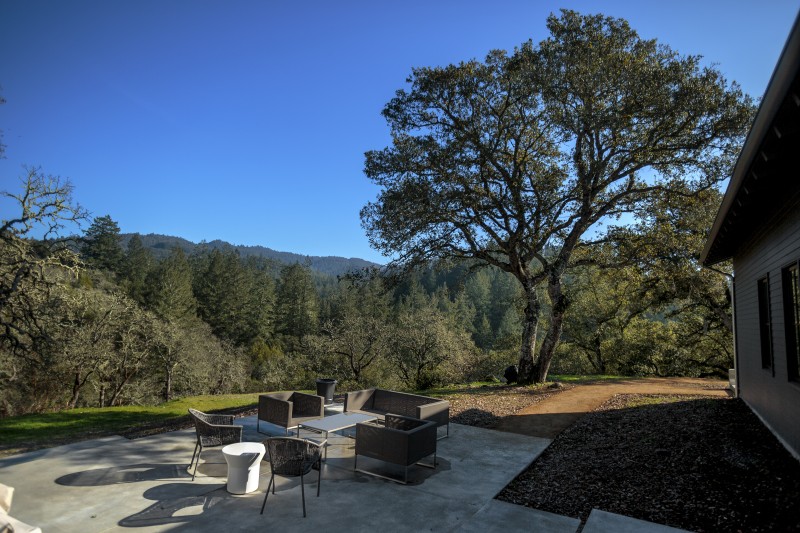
765,325
790,277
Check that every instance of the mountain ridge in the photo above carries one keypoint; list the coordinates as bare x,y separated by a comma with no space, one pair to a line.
161,246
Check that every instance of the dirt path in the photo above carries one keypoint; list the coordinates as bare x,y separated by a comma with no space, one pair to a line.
550,417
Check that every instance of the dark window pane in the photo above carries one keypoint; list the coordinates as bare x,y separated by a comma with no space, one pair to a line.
791,306
765,324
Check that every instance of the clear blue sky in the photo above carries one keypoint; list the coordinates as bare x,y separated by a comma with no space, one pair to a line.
247,121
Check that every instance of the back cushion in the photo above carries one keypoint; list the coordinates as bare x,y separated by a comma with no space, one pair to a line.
382,401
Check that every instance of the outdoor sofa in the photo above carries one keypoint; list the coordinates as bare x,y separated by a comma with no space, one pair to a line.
379,402
289,409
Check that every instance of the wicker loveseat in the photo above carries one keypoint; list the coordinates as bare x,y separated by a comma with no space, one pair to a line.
379,402
289,409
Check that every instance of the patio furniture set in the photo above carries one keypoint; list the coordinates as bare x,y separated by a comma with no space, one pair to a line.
393,427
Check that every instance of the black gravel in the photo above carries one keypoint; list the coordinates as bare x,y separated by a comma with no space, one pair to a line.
695,463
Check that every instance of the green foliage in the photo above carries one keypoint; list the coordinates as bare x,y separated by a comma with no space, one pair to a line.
101,245
427,346
170,293
137,268
236,298
296,306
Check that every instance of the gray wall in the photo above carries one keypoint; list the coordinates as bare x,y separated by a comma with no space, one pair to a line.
773,397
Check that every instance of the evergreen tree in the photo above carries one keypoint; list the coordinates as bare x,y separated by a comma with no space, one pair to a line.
234,298
137,266
170,295
101,245
296,302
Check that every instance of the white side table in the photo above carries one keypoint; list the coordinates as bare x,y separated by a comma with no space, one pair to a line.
244,462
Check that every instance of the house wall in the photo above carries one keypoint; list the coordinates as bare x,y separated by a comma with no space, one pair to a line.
768,391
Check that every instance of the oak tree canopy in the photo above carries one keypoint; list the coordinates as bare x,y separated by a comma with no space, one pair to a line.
524,160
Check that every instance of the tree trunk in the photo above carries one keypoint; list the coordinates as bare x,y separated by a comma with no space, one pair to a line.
526,365
118,389
556,325
76,391
601,363
168,385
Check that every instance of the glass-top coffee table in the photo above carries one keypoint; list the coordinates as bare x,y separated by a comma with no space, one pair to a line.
335,423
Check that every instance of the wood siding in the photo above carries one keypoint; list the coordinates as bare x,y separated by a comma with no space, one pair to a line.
768,391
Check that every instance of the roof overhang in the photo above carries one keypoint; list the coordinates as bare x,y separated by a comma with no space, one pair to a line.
762,165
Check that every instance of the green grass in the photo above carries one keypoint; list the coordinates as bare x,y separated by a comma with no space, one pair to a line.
89,422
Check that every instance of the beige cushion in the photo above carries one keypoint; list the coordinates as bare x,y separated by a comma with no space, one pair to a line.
5,524
16,526
6,494
9,524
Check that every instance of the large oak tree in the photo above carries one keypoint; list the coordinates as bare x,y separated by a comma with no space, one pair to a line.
523,160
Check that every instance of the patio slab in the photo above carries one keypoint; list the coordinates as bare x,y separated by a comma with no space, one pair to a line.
113,484
500,517
605,522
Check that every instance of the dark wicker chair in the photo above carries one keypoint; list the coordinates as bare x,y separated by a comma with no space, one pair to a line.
402,440
291,457
289,409
212,430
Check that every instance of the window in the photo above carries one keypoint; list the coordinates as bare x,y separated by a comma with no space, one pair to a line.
791,308
765,323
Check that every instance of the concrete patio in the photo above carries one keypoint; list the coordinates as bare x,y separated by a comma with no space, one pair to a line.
115,484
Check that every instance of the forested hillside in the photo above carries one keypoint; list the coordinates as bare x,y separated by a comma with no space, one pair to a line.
95,323
160,246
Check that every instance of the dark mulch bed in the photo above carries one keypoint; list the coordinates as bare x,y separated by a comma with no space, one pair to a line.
700,464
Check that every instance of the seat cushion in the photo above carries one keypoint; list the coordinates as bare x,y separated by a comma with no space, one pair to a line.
10,524
6,495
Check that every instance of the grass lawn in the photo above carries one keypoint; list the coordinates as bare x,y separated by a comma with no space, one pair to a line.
78,424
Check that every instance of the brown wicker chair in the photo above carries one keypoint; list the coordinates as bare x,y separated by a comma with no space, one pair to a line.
402,440
290,457
289,409
213,430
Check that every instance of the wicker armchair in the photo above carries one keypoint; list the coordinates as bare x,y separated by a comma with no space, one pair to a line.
289,409
402,440
291,457
212,430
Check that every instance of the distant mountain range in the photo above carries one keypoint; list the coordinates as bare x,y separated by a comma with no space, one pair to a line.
161,245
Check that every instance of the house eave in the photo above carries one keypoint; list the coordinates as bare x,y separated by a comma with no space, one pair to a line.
719,246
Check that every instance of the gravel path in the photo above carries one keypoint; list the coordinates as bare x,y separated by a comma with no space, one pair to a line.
549,418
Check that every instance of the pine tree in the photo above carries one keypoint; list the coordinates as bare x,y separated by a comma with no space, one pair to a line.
170,294
101,245
137,265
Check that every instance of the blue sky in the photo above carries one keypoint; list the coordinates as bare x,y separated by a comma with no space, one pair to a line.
247,121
